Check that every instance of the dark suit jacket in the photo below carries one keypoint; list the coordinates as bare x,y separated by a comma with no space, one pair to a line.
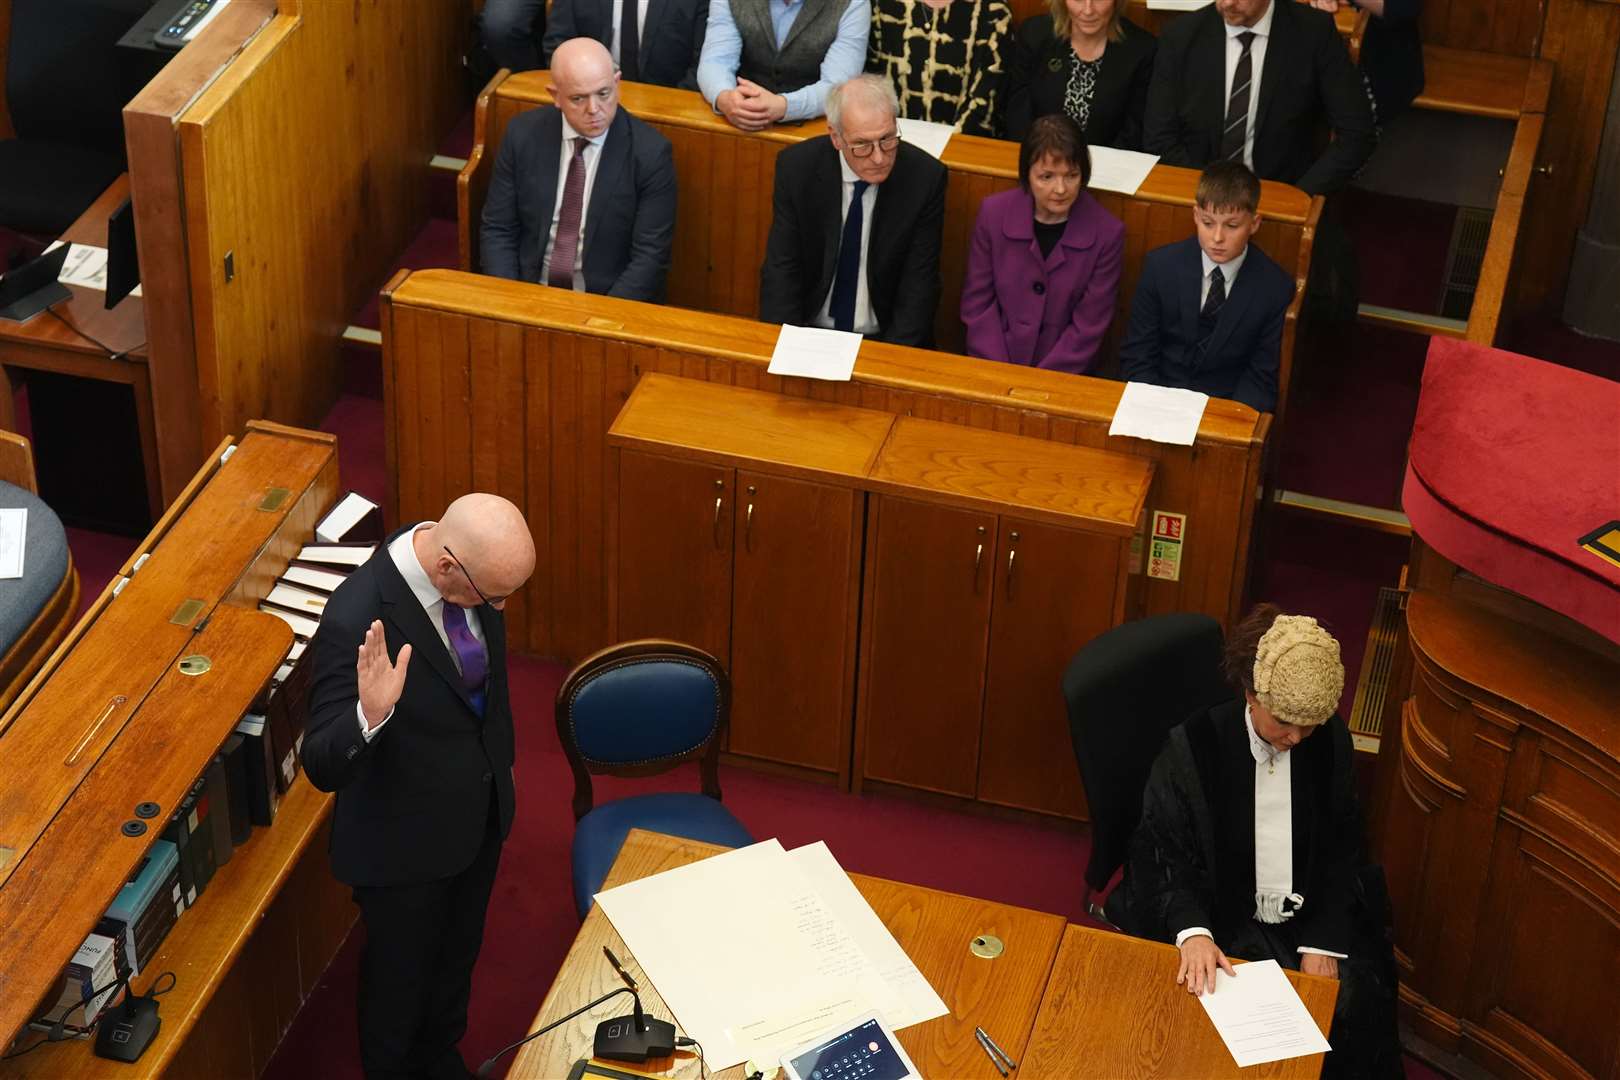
1392,57
1307,80
902,256
1038,76
671,35
629,224
413,804
1243,357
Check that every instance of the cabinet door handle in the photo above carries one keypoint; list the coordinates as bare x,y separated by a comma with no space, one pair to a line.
717,501
748,526
1012,555
978,557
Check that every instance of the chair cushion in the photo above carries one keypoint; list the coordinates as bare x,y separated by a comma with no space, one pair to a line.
45,186
600,834
45,564
644,710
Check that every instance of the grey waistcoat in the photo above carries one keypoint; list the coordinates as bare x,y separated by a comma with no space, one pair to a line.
797,62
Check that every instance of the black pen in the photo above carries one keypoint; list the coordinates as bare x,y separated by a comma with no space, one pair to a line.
984,1042
623,974
990,1044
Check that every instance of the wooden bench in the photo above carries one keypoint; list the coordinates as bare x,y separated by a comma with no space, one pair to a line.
111,721
510,387
726,178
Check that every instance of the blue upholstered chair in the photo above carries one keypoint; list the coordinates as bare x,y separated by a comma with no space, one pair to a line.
636,709
37,609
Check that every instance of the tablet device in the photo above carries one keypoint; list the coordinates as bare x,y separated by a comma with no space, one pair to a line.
864,1049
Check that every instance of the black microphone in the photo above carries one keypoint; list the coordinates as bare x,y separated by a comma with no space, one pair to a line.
486,1067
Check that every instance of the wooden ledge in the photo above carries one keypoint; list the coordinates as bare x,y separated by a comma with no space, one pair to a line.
1483,84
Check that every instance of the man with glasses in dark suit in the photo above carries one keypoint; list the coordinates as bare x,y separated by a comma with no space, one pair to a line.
419,749
858,214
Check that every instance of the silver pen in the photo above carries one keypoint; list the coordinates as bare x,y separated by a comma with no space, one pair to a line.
996,1051
984,1042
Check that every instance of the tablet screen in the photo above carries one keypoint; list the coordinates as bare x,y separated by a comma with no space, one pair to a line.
861,1053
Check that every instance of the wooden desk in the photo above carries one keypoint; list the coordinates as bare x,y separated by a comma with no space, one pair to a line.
509,387
1112,1008
47,343
934,928
109,722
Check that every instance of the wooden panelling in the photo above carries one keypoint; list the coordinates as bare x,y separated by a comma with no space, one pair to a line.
306,164
566,362
1501,26
726,178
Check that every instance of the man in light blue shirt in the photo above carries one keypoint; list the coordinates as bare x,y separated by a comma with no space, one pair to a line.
766,61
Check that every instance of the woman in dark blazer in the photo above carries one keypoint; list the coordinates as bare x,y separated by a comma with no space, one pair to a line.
1043,269
1084,59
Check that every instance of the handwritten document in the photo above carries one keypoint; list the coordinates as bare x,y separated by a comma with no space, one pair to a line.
815,353
1161,413
13,531
1260,1017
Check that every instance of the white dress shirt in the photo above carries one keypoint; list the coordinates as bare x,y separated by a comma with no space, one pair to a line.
618,21
403,551
1229,273
593,157
1273,838
1257,62
865,318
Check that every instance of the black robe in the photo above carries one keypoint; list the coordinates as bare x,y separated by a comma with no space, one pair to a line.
1192,864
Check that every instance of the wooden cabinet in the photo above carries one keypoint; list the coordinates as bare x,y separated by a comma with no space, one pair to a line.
674,555
970,564
976,600
926,615
759,565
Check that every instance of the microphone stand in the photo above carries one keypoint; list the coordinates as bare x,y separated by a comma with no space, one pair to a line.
484,1069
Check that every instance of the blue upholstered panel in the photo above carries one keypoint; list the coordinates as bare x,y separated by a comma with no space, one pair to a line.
45,564
600,834
644,710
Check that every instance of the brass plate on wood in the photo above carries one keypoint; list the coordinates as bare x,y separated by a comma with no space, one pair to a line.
6,855
273,498
986,945
1031,395
598,323
188,610
195,664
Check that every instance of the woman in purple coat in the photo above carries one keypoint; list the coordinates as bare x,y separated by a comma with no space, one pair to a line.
1043,270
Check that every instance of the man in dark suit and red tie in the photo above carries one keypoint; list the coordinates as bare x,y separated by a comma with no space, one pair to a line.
583,195
1256,81
410,723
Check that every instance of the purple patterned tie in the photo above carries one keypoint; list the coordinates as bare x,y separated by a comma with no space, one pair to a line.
469,652
566,248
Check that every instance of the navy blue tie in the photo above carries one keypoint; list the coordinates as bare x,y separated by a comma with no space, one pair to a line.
842,308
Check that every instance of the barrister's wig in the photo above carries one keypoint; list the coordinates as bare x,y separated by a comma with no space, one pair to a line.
1289,663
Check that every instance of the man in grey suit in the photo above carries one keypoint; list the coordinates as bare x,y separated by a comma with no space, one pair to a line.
583,195
652,41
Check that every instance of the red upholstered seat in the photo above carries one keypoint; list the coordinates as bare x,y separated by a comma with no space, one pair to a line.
1513,460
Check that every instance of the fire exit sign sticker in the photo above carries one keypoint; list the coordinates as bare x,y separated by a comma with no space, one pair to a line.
1165,545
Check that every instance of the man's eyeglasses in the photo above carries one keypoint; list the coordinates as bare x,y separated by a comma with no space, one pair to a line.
490,600
864,149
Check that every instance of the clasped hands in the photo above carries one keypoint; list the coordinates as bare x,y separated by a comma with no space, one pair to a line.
380,682
751,107
1200,957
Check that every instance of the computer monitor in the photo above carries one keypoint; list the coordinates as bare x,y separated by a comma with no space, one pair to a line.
123,264
32,287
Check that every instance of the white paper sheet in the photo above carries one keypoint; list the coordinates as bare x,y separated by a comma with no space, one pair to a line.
907,997
815,353
1120,170
1260,1017
13,532
343,517
740,948
926,135
1177,5
1161,413
86,267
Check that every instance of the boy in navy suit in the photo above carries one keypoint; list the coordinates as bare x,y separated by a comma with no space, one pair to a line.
1208,312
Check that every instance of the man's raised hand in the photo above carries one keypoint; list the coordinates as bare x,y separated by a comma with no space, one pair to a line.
381,682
